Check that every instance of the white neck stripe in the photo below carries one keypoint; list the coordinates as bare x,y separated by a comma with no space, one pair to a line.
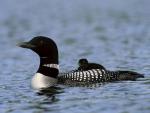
56,66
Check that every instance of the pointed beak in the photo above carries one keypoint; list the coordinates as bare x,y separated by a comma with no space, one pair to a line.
26,45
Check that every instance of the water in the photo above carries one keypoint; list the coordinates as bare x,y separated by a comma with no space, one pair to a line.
114,33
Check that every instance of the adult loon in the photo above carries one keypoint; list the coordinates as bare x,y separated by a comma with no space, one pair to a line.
85,65
47,74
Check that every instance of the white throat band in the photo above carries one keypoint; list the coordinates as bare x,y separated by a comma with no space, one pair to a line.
56,66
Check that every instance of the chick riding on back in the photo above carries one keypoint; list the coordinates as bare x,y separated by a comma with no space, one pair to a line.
85,65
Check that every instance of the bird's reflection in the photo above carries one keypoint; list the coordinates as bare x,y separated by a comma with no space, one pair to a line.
51,91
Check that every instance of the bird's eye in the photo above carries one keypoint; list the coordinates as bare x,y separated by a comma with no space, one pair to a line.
41,43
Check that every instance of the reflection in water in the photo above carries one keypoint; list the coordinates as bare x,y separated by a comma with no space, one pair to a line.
46,97
50,92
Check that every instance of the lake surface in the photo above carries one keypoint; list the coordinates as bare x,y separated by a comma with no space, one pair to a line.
114,33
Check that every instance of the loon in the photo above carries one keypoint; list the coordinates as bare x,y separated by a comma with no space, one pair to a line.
48,74
85,65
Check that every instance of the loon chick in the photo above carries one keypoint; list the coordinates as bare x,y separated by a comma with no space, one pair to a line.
85,65
47,74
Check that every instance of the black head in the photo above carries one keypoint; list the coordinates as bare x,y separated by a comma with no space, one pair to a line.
43,46
83,62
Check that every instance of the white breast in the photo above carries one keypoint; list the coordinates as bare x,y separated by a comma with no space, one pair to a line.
40,81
